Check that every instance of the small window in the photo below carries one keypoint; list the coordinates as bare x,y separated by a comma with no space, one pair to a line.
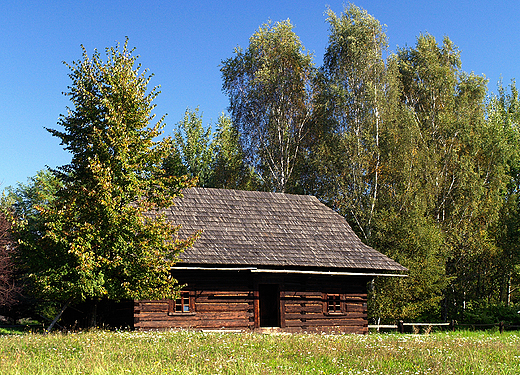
181,305
334,304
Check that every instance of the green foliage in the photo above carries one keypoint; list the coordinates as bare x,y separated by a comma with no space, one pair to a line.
26,201
214,158
21,205
407,148
230,168
269,87
416,242
504,121
349,109
95,237
194,147
443,166
486,313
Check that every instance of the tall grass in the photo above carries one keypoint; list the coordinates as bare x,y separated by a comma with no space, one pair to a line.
102,352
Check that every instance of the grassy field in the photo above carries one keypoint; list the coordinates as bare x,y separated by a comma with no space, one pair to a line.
102,352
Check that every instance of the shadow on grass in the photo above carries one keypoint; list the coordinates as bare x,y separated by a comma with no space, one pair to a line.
21,329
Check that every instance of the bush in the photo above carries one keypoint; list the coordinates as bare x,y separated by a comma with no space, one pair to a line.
492,314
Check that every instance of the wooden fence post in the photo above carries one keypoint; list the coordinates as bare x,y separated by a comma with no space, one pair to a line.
452,325
400,326
501,326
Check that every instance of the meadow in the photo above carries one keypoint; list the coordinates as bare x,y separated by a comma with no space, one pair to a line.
184,352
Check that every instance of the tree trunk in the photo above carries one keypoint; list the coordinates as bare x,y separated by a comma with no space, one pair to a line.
93,316
58,316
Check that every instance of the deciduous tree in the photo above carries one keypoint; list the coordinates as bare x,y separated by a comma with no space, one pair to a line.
9,289
194,147
98,239
349,111
443,169
504,121
269,87
230,168
215,159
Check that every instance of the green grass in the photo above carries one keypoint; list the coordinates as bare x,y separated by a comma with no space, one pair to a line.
102,352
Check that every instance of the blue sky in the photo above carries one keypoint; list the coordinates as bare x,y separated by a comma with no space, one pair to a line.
183,42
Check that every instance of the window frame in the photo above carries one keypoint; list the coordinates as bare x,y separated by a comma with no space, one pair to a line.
183,296
337,300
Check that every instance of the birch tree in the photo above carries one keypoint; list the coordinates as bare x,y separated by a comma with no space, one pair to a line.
443,178
350,107
269,88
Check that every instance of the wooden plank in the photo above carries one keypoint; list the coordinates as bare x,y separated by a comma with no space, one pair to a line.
216,324
323,318
294,309
282,308
296,303
339,323
217,307
217,299
256,308
224,294
327,323
306,294
225,315
297,309
332,316
356,308
159,307
197,320
152,302
356,296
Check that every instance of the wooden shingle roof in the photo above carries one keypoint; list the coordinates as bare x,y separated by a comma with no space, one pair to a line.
250,228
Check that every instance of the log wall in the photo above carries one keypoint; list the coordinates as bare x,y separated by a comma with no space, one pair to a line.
305,301
229,300
221,300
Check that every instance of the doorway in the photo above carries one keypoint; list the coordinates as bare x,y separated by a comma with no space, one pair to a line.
269,305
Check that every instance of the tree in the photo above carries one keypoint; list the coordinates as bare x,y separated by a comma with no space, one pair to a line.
9,289
504,120
230,168
26,200
349,108
214,158
269,87
21,206
443,174
194,146
98,240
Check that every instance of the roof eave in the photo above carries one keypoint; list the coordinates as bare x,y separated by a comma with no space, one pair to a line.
288,271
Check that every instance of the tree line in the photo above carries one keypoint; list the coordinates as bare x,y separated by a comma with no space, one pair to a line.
414,152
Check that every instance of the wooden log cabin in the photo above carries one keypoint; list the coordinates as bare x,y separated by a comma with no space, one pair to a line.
266,261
